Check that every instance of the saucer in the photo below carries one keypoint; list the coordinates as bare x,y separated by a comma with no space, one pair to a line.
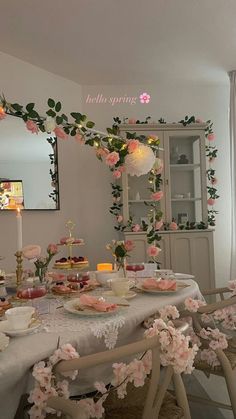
128,296
5,328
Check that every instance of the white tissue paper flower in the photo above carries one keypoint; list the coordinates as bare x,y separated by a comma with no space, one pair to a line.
140,161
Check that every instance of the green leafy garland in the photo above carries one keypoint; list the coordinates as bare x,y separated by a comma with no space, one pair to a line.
154,214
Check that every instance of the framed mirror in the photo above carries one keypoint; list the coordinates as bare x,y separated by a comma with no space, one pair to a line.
28,168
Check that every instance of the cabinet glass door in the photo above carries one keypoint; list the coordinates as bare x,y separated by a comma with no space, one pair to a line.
187,188
138,192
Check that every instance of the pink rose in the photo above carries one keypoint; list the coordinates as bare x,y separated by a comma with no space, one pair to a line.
158,225
32,251
211,159
32,126
211,137
119,218
173,226
112,158
102,152
79,138
210,201
133,145
199,121
129,245
117,174
132,121
136,228
60,133
157,196
153,251
52,248
214,181
122,169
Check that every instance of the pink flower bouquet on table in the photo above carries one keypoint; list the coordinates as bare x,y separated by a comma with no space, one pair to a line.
33,253
120,250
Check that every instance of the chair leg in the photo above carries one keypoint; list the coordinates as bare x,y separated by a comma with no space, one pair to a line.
229,378
181,395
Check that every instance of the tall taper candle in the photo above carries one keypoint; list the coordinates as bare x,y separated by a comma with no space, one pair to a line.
19,229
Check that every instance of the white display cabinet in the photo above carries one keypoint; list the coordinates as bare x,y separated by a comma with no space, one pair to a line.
182,150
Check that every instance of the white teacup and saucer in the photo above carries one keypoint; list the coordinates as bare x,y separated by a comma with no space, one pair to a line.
120,287
19,321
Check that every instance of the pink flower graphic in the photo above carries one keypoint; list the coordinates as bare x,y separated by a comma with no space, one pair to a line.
144,98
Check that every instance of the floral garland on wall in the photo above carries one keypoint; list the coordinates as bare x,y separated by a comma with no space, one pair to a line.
156,193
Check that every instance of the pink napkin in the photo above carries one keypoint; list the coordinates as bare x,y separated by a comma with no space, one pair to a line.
90,301
162,285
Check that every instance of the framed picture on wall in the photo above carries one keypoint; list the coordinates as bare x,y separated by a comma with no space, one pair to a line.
182,218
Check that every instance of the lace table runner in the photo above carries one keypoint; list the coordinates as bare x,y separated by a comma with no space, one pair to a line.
106,327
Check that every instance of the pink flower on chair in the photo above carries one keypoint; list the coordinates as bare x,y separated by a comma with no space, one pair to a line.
112,158
32,126
144,98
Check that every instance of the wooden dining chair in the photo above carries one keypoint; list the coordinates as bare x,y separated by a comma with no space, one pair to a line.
149,402
227,357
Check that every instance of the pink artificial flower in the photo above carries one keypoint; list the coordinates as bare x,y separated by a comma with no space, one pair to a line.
37,396
117,174
193,305
112,158
100,386
159,225
60,133
32,251
32,126
169,312
232,286
211,159
173,226
144,98
79,138
157,196
122,169
211,201
132,121
119,218
102,152
214,181
136,228
52,248
129,245
153,251
211,137
199,121
158,166
133,145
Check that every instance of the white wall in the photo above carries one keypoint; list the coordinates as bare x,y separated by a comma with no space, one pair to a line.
84,181
173,101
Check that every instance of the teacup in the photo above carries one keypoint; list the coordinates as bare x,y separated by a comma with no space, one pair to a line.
19,317
104,277
120,286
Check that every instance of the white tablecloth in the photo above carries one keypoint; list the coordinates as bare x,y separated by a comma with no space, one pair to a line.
23,352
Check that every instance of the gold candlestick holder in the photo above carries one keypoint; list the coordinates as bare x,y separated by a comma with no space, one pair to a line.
19,268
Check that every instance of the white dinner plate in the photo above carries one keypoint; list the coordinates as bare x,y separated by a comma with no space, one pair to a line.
5,327
183,276
70,306
179,287
128,296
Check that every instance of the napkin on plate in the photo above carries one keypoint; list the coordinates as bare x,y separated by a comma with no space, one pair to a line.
96,304
162,285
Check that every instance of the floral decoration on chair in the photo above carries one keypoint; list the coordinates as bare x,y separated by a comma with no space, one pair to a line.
176,351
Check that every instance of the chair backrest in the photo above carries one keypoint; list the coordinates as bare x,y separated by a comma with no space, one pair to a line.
155,394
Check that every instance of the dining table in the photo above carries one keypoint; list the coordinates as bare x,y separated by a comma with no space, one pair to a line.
89,334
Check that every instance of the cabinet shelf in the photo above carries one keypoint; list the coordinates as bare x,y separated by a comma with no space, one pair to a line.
186,167
185,199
